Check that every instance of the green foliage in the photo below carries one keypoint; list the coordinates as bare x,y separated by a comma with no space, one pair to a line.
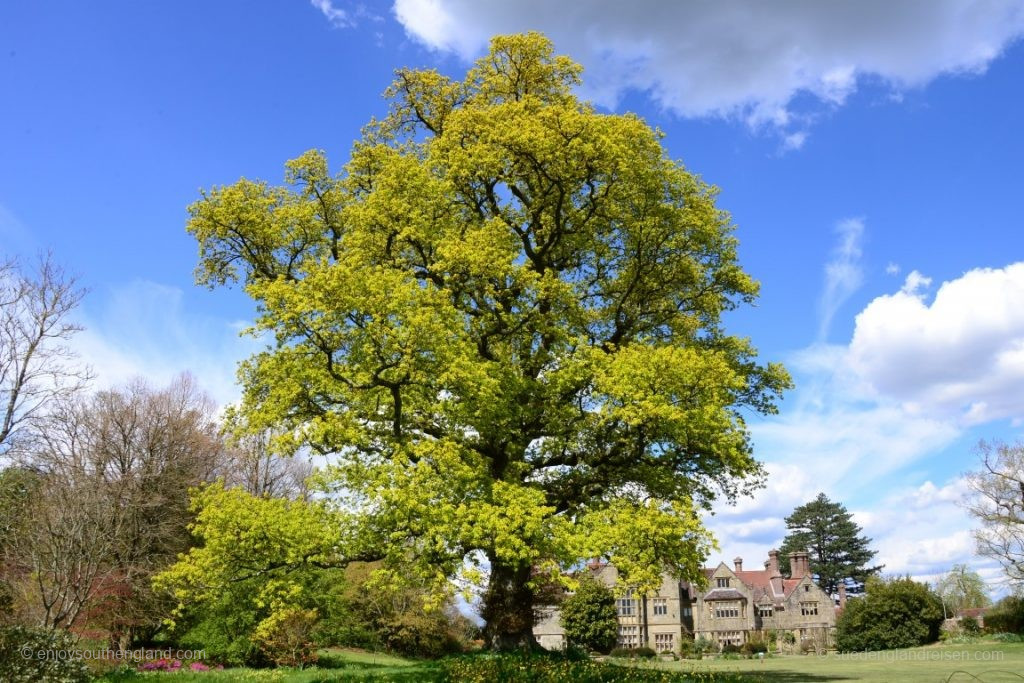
503,318
45,661
962,588
970,626
632,652
589,616
255,559
1007,616
705,646
894,613
553,669
286,637
753,647
836,546
262,565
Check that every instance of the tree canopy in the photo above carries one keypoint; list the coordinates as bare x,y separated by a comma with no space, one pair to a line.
961,588
503,320
836,546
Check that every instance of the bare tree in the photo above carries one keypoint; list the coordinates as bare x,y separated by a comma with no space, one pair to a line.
36,365
253,466
120,465
997,502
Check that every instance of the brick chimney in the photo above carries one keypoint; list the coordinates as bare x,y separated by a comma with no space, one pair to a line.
797,564
773,563
738,563
842,595
775,578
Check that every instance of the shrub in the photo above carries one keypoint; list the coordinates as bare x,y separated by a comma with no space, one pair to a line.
753,647
704,645
285,637
15,667
895,613
808,646
555,669
1007,616
969,625
686,647
730,649
589,616
1008,637
644,652
621,652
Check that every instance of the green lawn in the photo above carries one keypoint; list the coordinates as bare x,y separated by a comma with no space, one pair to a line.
334,665
980,662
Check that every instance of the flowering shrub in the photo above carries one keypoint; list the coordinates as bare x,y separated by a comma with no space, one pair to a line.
21,661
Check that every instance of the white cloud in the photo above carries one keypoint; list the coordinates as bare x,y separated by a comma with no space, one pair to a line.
843,273
744,58
892,269
143,330
869,417
960,356
338,17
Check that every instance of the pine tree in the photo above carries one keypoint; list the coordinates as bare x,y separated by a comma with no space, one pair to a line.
838,551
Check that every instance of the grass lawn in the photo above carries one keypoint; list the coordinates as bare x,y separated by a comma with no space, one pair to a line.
335,664
979,662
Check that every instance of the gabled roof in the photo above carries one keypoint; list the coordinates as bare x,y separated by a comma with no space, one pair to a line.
759,581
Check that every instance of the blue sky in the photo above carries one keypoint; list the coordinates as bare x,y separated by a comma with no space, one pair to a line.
870,156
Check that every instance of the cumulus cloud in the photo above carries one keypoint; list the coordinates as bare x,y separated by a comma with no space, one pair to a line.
960,355
843,274
869,417
742,58
144,330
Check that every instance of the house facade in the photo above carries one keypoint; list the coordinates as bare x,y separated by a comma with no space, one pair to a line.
736,606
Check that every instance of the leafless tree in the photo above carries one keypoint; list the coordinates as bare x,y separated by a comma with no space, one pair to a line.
36,365
997,502
253,466
120,464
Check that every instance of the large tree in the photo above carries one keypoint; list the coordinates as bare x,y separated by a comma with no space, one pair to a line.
961,588
837,548
997,503
503,320
37,367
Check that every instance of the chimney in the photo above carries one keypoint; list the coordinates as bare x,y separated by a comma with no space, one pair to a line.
842,595
773,563
797,564
738,563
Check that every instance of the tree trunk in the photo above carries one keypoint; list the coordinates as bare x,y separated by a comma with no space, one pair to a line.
508,609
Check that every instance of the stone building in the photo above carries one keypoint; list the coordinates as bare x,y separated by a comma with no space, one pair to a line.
736,606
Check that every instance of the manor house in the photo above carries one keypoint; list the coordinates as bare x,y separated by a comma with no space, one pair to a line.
738,605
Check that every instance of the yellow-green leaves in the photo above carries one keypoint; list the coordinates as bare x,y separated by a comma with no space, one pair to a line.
502,320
